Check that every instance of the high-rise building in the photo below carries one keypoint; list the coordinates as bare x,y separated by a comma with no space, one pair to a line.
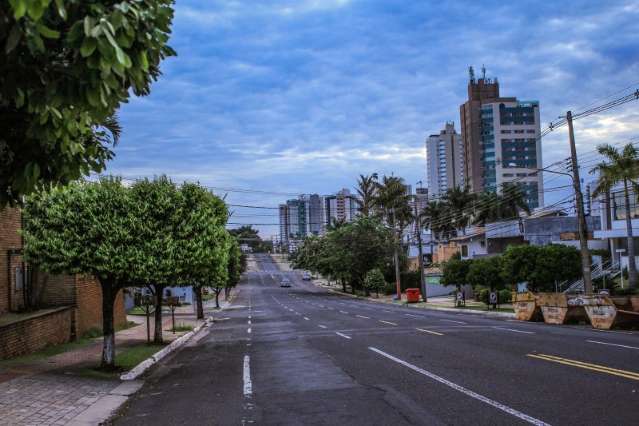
445,158
297,218
315,214
342,207
502,142
285,228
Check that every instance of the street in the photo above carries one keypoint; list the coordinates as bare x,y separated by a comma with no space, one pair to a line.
303,355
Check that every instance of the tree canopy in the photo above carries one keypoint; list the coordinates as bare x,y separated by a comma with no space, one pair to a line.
65,68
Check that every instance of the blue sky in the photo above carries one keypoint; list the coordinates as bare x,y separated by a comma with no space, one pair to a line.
302,96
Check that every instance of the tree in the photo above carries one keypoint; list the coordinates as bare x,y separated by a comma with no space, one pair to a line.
366,191
486,272
435,217
246,234
459,201
374,281
65,68
519,264
621,167
557,263
234,267
455,272
88,228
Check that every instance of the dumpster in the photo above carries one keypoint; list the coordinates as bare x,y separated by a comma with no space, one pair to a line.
525,306
606,312
412,295
561,308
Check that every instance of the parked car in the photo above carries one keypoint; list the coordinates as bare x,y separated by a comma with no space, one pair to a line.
285,282
306,276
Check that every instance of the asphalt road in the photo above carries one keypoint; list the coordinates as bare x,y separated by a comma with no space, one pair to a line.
305,356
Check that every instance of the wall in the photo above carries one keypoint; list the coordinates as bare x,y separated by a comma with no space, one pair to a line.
88,300
9,239
30,335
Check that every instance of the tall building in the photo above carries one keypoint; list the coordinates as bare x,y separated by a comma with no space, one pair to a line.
297,218
285,228
315,214
343,206
445,158
501,139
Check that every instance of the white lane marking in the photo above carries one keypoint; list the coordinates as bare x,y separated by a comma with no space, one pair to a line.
249,322
249,330
387,322
248,385
457,322
468,392
343,312
430,332
321,326
612,344
362,316
343,335
513,330
297,313
306,318
411,315
386,310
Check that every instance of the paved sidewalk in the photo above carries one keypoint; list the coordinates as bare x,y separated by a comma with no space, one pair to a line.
54,390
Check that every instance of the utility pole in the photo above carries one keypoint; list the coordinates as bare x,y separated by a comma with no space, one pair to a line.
396,258
418,229
581,219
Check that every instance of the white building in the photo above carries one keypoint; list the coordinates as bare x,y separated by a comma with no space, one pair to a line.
445,161
341,207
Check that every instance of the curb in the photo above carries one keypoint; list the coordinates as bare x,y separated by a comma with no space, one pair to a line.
136,371
509,315
103,408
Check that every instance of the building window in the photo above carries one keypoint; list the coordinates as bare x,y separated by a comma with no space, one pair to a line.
619,205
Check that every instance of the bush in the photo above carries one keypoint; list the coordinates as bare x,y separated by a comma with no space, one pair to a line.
374,281
484,295
390,288
505,296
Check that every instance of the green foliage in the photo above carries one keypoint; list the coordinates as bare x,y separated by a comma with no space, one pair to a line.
67,66
486,272
374,280
541,267
246,234
455,272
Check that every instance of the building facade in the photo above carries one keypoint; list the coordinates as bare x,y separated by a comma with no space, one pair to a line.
341,207
445,160
502,141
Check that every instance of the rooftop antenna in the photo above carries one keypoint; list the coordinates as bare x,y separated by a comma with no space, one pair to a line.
483,72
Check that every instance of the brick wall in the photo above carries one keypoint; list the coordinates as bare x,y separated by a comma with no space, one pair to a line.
35,333
9,239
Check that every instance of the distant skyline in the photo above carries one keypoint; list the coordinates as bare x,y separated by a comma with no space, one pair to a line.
302,96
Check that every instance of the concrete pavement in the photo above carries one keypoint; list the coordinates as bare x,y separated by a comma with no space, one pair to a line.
302,355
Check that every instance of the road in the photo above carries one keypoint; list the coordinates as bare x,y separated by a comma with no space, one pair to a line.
305,356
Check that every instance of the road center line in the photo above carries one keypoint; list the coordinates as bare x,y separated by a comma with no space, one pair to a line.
430,332
343,312
306,318
456,322
587,366
248,385
513,330
343,335
362,316
249,322
249,330
321,326
387,322
468,392
612,344
411,315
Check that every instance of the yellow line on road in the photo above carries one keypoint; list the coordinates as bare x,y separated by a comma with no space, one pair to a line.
430,332
585,365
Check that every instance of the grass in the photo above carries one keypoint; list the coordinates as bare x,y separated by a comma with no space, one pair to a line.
139,310
182,327
48,351
125,360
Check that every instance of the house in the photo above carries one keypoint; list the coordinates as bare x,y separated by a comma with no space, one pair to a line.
39,309
613,230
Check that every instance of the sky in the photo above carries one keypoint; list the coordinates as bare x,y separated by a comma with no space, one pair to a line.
287,97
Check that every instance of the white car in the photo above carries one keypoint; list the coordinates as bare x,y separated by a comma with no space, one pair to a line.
285,282
306,276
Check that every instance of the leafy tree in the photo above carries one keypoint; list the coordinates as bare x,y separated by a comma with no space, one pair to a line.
486,272
435,217
492,207
367,191
519,264
557,263
234,268
455,272
621,167
250,236
374,281
459,202
65,68
88,228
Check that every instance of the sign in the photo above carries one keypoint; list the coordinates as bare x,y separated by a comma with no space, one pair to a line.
172,301
493,298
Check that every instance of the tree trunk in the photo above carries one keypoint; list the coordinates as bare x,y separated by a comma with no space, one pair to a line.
632,267
227,293
217,298
157,334
343,285
109,293
198,301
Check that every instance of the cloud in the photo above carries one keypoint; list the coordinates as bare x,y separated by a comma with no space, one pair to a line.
303,96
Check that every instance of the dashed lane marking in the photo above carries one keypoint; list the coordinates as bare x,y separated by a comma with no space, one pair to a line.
612,344
321,326
513,330
248,385
430,332
363,316
387,322
343,335
307,318
468,392
456,322
343,312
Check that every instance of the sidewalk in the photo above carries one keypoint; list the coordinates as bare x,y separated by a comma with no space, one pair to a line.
50,388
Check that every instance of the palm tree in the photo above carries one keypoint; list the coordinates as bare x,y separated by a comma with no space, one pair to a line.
486,208
460,201
621,167
513,201
367,190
